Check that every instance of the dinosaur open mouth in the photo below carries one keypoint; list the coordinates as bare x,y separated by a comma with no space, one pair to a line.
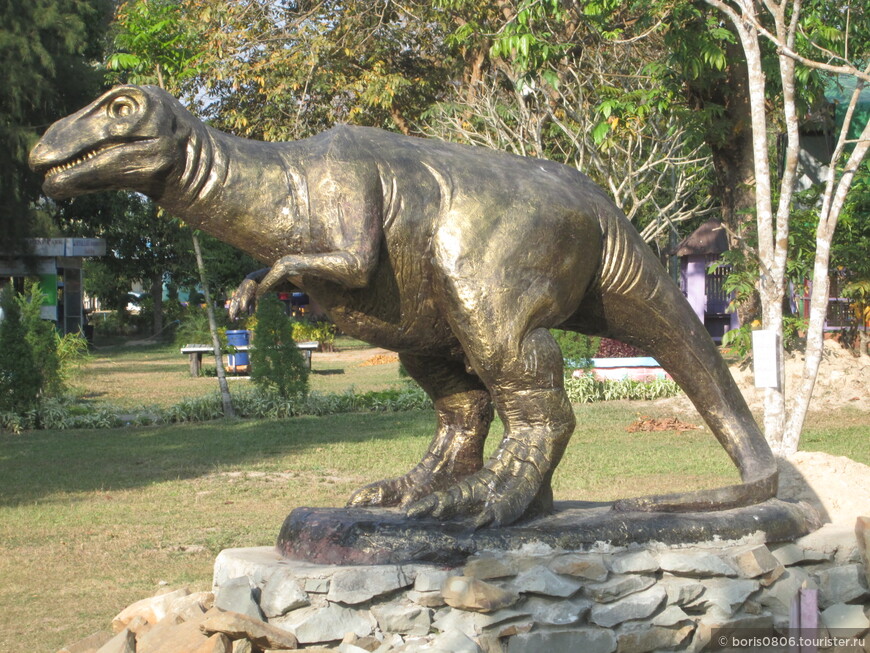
72,163
83,158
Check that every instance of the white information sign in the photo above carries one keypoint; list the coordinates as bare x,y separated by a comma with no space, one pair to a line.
765,359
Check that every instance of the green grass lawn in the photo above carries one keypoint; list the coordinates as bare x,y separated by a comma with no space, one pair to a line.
132,377
91,521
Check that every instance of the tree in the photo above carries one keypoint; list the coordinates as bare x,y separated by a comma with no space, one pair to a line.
154,40
283,71
557,87
42,338
48,49
769,60
817,36
276,362
144,247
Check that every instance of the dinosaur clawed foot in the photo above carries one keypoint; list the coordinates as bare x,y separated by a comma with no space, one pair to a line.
421,481
386,493
511,486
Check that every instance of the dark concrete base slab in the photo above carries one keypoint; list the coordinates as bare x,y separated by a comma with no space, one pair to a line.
382,535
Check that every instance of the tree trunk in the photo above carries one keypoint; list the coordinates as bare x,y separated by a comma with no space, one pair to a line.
157,296
832,204
226,400
783,427
772,279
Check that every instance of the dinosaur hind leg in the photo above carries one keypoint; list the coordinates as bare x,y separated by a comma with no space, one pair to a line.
521,366
464,412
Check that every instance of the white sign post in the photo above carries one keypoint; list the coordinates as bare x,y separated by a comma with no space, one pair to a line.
765,359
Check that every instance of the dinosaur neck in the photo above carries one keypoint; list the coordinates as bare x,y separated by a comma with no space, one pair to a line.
195,187
247,193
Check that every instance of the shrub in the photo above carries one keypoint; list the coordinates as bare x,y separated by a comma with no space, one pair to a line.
266,403
72,354
20,377
321,332
276,362
586,389
110,323
578,349
42,336
193,327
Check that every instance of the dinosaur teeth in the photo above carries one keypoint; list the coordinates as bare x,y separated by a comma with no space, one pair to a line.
71,164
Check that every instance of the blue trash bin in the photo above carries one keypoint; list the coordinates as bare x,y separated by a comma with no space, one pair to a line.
239,361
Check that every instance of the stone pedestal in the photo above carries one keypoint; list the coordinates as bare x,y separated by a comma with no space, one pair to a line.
584,579
380,536
634,598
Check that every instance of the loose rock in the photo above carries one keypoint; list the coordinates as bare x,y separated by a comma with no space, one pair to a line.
587,640
540,580
152,609
695,564
847,620
588,566
468,593
236,625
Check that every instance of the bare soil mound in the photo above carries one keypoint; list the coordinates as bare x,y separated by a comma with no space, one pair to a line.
843,380
838,487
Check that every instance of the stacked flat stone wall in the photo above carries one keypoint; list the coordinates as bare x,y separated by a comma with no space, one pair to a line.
644,598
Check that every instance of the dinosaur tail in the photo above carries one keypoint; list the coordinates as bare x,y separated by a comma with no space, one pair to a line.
637,303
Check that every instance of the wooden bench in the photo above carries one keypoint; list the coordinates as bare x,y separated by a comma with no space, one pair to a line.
195,352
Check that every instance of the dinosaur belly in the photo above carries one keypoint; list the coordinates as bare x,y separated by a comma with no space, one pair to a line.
387,316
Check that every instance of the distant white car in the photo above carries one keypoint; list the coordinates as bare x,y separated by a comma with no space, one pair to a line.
134,302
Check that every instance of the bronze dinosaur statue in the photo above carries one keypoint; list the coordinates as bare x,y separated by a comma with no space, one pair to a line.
458,258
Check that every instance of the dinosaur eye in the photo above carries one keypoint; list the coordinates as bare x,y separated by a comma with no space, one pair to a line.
122,107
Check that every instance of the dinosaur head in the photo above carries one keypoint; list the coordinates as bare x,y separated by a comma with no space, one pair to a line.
130,138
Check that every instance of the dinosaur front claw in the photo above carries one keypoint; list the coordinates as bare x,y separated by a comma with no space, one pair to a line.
244,298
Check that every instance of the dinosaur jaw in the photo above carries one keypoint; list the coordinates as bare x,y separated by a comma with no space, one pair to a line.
108,166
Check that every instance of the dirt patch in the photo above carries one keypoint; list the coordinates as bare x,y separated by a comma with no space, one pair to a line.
351,355
380,359
835,485
658,424
843,380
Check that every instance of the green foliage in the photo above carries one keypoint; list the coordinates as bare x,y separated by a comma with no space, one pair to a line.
740,339
111,323
42,337
742,276
193,328
48,50
322,332
20,378
276,362
578,349
72,354
148,247
36,362
586,389
154,44
59,413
